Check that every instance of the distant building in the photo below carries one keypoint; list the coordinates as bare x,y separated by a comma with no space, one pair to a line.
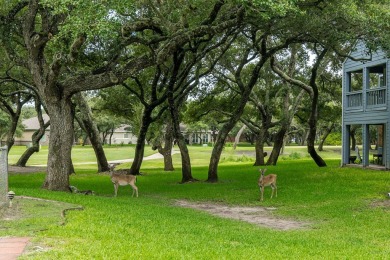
197,136
30,126
122,135
119,136
366,113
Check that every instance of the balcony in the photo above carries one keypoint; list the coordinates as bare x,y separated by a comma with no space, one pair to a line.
355,100
375,98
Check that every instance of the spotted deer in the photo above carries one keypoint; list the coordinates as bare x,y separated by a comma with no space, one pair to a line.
268,180
120,178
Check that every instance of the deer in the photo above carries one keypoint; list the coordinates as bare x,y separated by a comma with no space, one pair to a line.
121,178
268,180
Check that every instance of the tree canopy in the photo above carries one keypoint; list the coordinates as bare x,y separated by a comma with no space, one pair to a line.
58,48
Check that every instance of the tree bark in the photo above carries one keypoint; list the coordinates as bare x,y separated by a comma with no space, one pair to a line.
246,90
328,130
262,134
312,90
11,132
181,142
59,164
278,144
174,111
306,135
13,114
36,137
140,146
111,134
353,138
166,151
90,128
313,129
259,148
168,162
238,136
223,134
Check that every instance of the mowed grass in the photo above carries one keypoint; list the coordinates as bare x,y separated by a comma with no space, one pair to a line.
347,207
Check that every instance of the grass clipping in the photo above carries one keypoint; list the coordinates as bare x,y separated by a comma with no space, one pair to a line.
28,215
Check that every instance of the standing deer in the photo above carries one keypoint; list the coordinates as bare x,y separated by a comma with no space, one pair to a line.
120,177
268,180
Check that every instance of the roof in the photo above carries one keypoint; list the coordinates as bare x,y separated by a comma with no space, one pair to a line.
32,123
361,51
123,129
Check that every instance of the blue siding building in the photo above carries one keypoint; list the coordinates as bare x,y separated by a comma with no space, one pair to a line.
366,115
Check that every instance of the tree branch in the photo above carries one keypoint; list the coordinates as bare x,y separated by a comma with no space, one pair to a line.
287,78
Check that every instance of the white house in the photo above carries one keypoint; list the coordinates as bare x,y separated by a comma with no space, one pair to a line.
30,126
120,135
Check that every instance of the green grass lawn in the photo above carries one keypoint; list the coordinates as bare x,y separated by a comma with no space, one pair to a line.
347,208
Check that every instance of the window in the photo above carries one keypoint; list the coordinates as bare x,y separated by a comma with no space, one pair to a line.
377,76
205,138
355,80
126,135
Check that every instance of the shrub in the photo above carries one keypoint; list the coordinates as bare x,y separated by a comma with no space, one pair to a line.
293,156
333,139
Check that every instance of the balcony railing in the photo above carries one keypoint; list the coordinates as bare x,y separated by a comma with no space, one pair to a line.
354,99
375,98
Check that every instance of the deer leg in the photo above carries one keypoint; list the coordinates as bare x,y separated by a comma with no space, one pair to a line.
276,191
262,193
272,194
116,188
135,190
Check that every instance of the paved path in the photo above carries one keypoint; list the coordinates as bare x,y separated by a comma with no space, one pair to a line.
12,247
150,157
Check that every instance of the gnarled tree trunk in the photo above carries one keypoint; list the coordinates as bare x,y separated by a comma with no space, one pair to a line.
313,129
223,134
86,122
140,146
259,148
174,111
328,130
166,151
14,114
37,135
278,144
181,142
238,136
59,164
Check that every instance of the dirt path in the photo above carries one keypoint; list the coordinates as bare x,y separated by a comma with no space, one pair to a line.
261,216
27,169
